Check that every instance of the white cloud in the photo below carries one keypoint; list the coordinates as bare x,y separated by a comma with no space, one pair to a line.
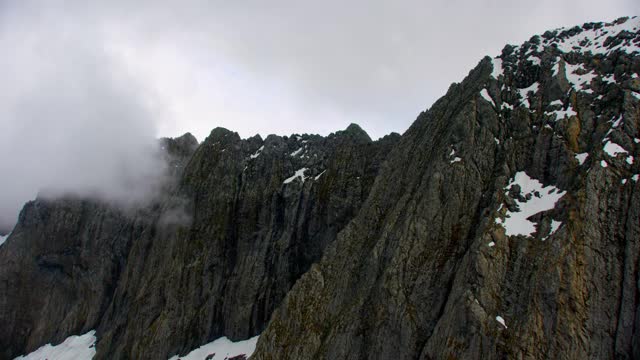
88,85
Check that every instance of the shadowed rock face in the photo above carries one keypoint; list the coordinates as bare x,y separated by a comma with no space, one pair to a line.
426,270
212,258
408,247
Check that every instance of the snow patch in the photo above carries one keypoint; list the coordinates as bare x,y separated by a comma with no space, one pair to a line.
3,239
455,159
581,157
297,151
609,79
603,163
318,176
497,67
507,106
612,149
299,174
258,152
524,92
635,178
555,69
221,349
73,348
491,244
617,122
485,95
593,40
579,82
561,114
501,321
540,198
555,225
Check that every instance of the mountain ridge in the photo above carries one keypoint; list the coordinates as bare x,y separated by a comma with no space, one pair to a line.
436,276
417,246
259,218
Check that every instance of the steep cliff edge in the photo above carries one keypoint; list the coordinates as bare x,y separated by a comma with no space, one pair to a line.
212,257
503,225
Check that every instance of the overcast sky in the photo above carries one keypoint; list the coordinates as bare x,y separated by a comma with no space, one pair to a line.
87,87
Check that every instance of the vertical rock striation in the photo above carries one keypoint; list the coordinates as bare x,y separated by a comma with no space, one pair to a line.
502,224
239,223
440,264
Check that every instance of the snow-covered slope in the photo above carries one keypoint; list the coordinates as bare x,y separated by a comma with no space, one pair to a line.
221,349
73,348
568,81
4,238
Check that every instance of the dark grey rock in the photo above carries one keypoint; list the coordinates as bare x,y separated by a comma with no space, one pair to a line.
213,257
412,276
340,247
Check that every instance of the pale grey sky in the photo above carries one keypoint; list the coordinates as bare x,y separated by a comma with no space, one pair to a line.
87,86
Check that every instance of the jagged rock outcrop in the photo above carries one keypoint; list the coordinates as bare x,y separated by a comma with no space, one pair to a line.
440,264
214,256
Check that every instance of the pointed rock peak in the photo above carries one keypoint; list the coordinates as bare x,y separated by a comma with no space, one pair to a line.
255,142
220,131
355,131
223,135
187,139
255,138
353,127
274,140
183,145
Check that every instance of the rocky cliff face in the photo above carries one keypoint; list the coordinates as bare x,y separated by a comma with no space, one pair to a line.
502,224
441,263
241,221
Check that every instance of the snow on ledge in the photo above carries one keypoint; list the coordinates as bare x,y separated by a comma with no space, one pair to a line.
561,114
524,93
612,149
501,321
581,157
297,151
579,82
221,348
73,348
485,95
258,152
542,198
3,239
298,174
